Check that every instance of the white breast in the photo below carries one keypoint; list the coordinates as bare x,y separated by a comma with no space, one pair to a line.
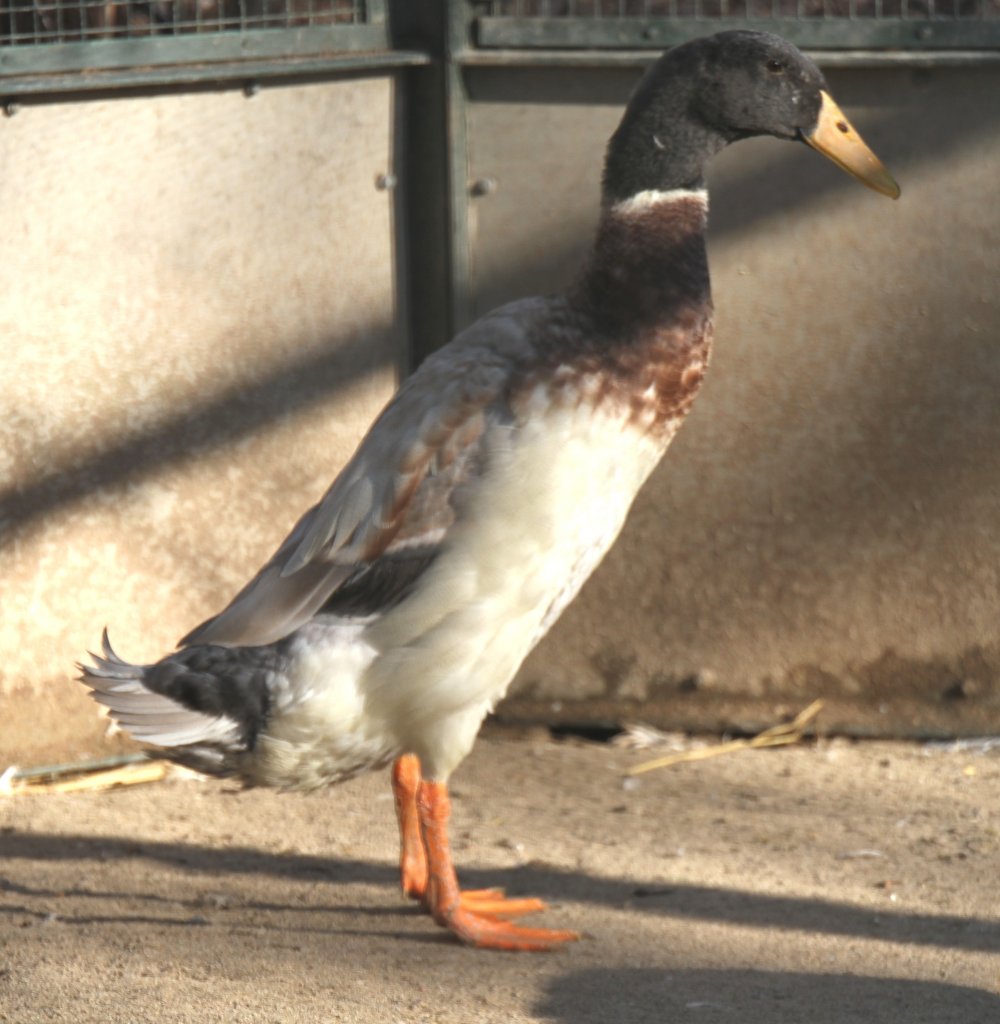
553,500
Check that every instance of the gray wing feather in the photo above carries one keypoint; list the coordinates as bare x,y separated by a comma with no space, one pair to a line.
334,520
449,406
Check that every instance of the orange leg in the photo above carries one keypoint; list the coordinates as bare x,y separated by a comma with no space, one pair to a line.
412,858
477,919
416,866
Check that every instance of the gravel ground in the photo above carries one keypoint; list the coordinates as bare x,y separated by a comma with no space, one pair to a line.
835,883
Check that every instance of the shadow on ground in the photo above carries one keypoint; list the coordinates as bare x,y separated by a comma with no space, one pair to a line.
625,996
685,901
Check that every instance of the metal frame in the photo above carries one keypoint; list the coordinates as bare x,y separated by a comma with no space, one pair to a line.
244,73
94,54
204,53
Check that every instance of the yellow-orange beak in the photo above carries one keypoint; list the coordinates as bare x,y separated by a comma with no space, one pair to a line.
835,137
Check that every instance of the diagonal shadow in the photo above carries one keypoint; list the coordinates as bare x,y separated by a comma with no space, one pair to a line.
645,996
189,431
153,899
684,901
231,413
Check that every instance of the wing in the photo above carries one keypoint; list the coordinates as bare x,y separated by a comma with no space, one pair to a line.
385,516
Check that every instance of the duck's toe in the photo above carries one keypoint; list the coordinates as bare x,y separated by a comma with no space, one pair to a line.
486,931
493,903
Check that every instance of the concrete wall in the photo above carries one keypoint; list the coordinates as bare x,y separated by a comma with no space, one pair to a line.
199,320
828,521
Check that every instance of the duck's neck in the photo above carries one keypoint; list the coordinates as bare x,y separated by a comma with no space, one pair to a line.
659,144
648,266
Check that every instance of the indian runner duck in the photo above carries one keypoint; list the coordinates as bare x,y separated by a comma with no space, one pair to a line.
397,611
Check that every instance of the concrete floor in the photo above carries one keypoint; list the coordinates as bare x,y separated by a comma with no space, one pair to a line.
834,883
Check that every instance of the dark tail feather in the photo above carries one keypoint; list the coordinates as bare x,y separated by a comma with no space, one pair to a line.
187,736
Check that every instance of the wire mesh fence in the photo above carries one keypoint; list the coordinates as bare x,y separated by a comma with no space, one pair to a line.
32,22
40,38
823,24
872,9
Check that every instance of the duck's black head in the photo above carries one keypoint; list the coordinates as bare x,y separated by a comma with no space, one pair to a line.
704,94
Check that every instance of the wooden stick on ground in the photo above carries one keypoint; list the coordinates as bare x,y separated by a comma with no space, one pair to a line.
82,776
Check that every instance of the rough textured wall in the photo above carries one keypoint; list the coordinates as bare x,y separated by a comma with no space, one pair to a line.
828,521
198,314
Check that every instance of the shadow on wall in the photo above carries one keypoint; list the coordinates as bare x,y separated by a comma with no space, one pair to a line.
842,468
638,996
222,417
206,306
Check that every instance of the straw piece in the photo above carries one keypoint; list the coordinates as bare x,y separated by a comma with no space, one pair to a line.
777,736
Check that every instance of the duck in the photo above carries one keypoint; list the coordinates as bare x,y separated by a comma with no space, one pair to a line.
394,616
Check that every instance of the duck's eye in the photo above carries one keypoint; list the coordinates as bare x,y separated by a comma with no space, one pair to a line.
775,66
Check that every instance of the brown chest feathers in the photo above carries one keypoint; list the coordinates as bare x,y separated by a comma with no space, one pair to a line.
643,315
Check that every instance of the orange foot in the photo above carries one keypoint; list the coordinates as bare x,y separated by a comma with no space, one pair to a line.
413,857
479,917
